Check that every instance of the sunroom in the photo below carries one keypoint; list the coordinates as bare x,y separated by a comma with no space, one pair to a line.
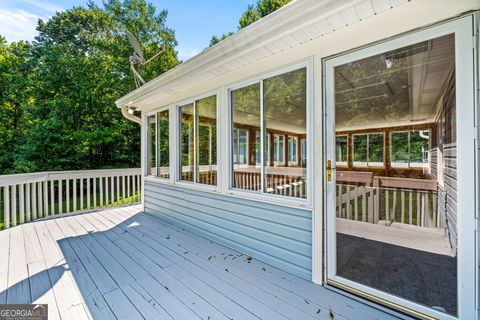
332,140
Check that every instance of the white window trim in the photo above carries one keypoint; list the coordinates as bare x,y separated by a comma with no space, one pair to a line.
261,196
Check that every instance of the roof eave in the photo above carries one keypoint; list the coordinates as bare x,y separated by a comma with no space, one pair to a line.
242,41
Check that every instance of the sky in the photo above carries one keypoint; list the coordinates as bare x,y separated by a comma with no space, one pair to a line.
194,21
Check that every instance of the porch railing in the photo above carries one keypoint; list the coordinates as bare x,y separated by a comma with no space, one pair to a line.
27,197
363,197
286,181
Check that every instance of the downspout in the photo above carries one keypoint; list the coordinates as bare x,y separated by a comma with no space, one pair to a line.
138,120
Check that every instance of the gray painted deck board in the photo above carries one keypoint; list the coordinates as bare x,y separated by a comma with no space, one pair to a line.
37,272
69,300
18,290
121,264
228,258
5,249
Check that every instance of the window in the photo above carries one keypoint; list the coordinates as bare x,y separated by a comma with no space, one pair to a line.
341,150
198,145
158,161
151,145
240,146
303,144
284,109
410,149
257,148
278,150
292,150
246,114
368,149
187,143
206,110
163,151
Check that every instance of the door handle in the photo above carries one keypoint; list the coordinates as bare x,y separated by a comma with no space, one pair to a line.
329,170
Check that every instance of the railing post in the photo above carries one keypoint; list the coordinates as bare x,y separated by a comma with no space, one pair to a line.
52,197
128,188
6,207
101,191
45,198
60,196
133,187
22,203
88,193
112,189
67,191
40,199
75,194
28,206
34,200
81,193
94,193
14,205
123,190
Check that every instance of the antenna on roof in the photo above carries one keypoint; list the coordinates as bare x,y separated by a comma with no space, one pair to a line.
137,58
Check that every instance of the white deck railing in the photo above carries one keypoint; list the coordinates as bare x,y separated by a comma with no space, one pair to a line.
361,196
27,197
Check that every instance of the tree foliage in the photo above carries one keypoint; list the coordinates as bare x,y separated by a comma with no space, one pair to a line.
57,93
16,98
253,13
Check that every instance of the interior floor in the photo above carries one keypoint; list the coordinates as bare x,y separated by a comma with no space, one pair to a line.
419,276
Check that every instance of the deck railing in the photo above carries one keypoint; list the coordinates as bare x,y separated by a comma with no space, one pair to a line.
27,197
286,181
363,197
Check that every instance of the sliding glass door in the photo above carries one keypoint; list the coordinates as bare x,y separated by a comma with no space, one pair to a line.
400,143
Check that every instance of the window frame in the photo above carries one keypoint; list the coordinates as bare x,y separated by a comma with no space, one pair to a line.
361,164
178,134
157,134
261,195
247,151
408,164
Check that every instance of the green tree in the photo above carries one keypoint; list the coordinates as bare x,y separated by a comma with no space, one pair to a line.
253,13
15,99
81,67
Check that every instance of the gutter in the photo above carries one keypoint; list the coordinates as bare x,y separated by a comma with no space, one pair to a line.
131,117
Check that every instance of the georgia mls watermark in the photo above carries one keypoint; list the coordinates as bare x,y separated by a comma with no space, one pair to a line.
23,312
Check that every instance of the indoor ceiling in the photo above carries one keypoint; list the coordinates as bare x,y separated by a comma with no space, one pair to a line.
396,88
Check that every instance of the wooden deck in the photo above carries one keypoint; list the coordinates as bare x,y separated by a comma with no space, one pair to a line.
122,264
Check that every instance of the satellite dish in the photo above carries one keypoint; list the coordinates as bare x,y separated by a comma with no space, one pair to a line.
137,58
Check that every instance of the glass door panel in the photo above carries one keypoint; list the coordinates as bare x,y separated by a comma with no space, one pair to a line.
392,200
